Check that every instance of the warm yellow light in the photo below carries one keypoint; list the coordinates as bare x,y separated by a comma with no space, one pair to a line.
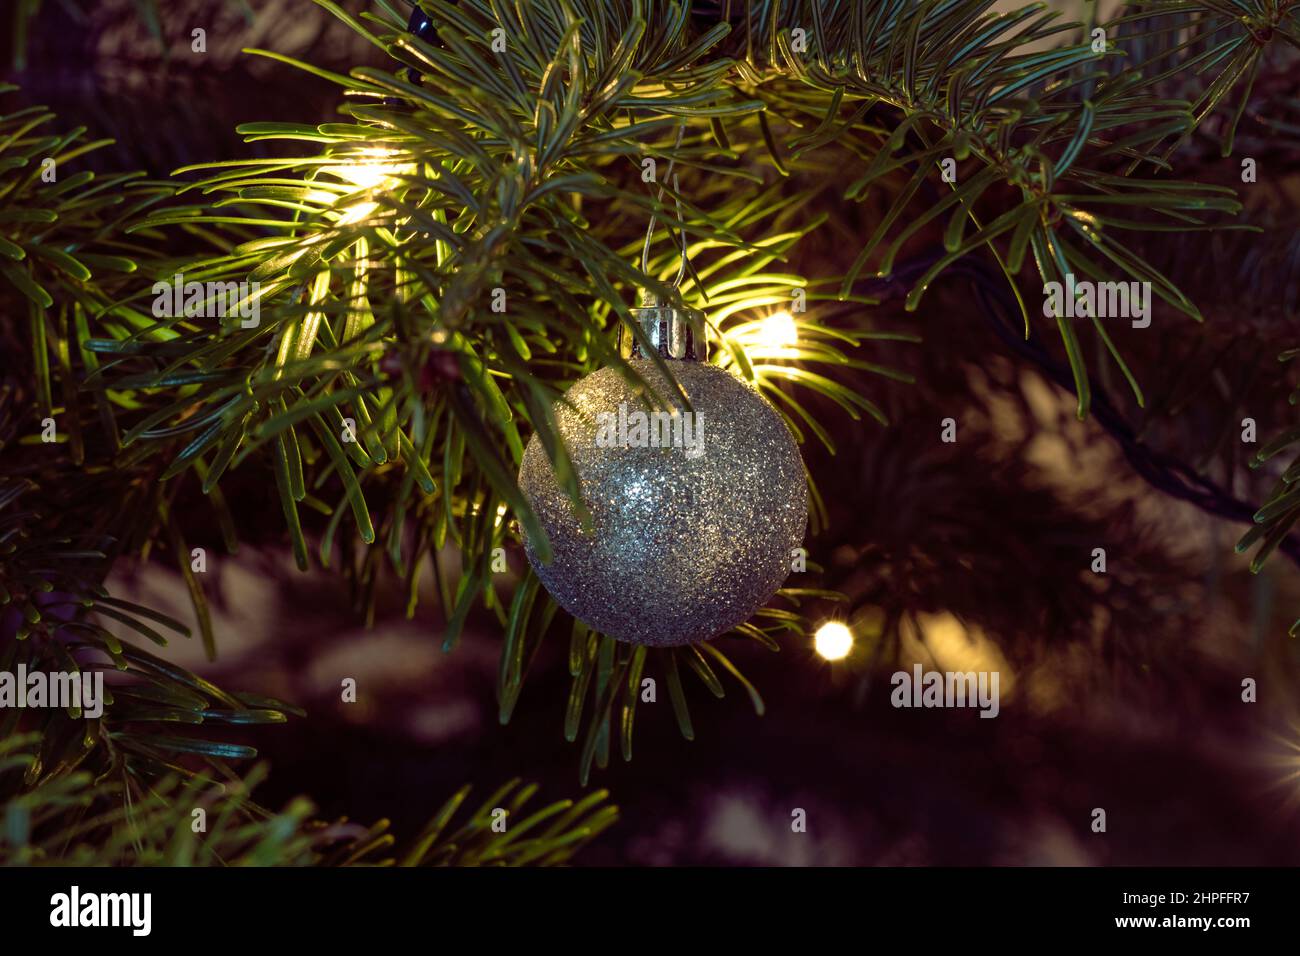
357,213
833,641
364,175
777,331
367,169
371,168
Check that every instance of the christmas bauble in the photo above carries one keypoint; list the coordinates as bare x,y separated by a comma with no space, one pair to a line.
693,513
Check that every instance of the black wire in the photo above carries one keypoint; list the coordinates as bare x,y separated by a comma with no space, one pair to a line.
1164,472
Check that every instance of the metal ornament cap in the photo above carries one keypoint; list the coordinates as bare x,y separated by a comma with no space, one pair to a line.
680,547
677,333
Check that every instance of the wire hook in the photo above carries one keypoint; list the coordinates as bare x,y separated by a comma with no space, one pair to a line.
654,218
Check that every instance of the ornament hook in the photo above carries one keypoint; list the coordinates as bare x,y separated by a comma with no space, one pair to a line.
675,333
654,217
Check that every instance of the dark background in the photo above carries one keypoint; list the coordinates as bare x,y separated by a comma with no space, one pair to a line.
1120,691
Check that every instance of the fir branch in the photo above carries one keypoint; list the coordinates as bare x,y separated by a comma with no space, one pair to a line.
71,820
382,387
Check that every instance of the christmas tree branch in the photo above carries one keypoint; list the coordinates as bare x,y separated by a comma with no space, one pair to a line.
420,283
192,821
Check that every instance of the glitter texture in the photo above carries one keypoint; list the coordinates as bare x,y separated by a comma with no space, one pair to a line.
680,548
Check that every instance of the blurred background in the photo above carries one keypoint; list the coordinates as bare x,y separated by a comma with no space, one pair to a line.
1120,691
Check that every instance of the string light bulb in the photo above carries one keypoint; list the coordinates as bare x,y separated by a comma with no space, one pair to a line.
369,168
833,641
777,331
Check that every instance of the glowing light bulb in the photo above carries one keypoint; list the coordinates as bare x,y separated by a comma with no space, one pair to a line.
366,176
368,168
777,331
833,641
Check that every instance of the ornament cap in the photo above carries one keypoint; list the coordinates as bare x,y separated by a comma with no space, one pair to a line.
678,333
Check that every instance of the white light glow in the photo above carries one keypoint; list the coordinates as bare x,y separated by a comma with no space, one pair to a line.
777,331
370,169
833,641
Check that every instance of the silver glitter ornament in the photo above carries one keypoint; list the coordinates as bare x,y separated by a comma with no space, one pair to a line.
693,513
